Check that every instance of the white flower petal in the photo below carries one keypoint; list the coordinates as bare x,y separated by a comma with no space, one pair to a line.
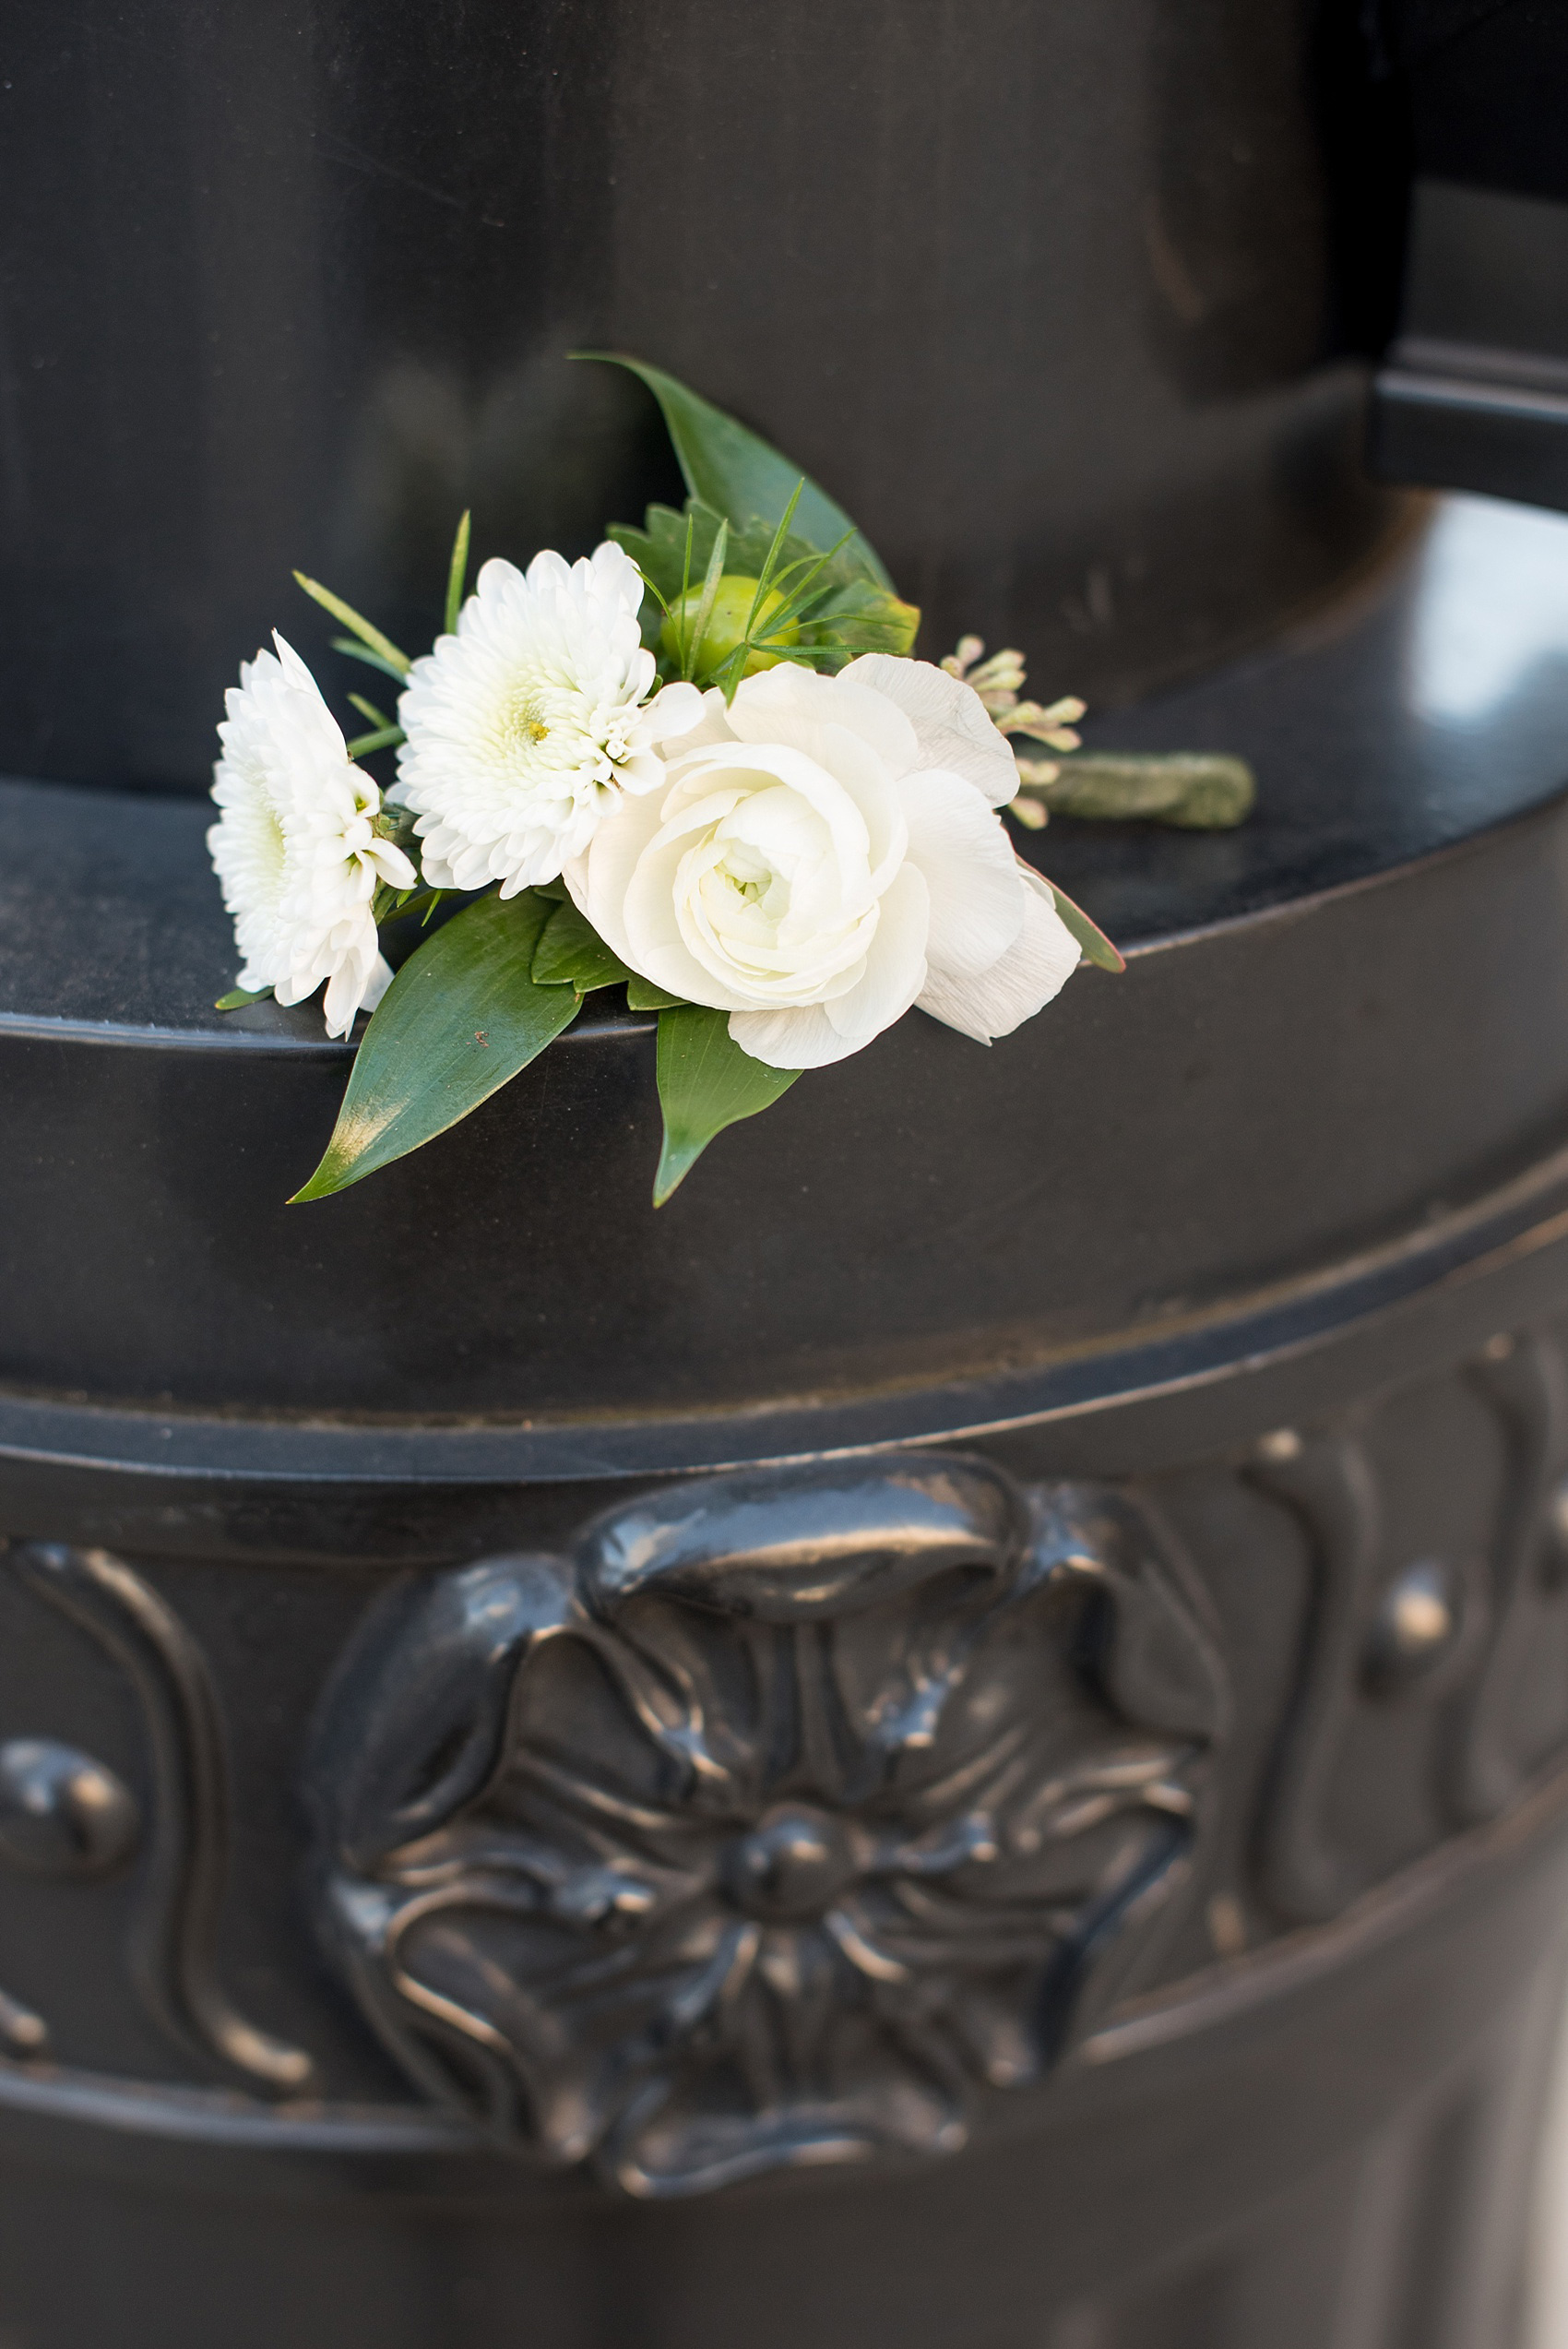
521,726
802,1038
791,704
295,846
674,711
951,723
896,964
1020,983
971,870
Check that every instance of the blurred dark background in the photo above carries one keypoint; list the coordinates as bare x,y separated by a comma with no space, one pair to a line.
291,282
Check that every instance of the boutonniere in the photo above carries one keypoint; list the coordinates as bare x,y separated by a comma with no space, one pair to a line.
703,765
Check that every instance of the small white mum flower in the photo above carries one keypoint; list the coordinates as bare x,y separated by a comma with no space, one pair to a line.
523,726
295,847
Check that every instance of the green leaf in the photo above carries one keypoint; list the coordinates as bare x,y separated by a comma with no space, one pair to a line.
643,996
237,998
835,608
736,472
864,618
458,574
693,630
378,717
396,903
1093,944
460,1018
385,651
372,660
571,953
706,1083
381,738
1198,790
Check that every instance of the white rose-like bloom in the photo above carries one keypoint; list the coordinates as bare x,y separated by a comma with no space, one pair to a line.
295,847
524,727
825,854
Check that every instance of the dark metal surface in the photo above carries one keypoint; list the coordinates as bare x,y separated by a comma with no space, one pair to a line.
1107,2008
960,1742
1473,391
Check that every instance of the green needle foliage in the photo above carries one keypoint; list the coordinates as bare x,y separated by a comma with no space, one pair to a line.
387,656
457,574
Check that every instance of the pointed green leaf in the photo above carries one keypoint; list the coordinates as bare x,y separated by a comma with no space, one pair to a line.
237,998
571,953
1093,944
372,660
706,1083
643,996
456,575
737,472
385,651
461,1018
363,744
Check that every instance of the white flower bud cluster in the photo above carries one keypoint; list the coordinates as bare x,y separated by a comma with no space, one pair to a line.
999,682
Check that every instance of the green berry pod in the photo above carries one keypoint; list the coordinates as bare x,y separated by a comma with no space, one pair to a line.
726,625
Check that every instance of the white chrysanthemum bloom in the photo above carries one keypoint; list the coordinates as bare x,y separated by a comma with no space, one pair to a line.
295,847
525,726
827,852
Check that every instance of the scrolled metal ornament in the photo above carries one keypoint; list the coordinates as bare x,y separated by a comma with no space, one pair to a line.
782,1822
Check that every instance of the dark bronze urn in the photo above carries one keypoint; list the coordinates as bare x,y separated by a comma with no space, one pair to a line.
960,1740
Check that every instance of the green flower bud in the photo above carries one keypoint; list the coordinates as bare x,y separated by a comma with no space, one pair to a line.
726,625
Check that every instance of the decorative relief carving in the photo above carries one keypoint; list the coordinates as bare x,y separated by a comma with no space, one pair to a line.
775,1825
1523,1380
1326,1483
184,1849
61,1812
1443,1628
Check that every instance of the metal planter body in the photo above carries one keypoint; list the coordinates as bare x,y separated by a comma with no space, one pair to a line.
959,1741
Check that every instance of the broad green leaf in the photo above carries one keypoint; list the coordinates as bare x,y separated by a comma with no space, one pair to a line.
738,473
387,653
1199,791
1093,944
458,573
706,1083
643,996
460,1018
571,953
237,998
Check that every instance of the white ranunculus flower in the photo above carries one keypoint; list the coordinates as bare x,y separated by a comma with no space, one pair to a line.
525,726
295,847
825,854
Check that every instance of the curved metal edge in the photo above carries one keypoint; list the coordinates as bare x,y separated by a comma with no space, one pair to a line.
182,1882
1517,1223
39,1027
1405,1905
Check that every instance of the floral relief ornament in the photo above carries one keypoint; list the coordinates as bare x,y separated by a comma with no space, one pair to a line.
785,1820
703,765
